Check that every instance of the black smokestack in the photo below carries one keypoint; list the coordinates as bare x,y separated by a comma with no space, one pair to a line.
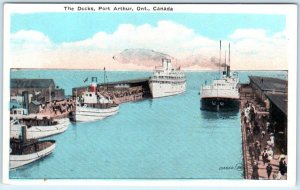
25,101
24,134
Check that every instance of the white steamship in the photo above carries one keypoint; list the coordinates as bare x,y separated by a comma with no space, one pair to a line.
94,106
223,94
167,81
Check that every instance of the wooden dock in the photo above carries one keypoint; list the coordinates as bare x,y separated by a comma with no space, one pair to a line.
55,110
254,143
120,91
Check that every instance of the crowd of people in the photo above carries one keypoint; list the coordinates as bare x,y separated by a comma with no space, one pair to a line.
121,92
62,107
57,107
261,141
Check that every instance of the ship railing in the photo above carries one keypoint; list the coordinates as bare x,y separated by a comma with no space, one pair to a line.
223,93
168,79
207,87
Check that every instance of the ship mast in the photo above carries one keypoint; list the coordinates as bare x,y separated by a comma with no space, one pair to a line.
229,56
220,59
104,73
225,62
220,76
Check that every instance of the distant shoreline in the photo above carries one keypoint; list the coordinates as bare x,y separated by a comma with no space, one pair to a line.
17,69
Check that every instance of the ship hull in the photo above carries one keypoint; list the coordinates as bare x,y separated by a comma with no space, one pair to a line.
86,114
36,132
16,161
220,104
163,90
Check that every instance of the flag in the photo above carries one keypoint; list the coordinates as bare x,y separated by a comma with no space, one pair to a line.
85,80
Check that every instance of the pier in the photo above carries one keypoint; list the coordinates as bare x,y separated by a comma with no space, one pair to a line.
42,98
264,127
120,91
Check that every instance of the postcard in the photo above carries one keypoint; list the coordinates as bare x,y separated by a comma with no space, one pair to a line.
150,94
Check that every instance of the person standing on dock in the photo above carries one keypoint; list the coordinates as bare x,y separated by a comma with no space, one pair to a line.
269,170
270,153
257,153
272,139
265,156
268,126
263,134
254,171
282,166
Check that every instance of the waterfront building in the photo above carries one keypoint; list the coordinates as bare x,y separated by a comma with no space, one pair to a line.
271,94
41,90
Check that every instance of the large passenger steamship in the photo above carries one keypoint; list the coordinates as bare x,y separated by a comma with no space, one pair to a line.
167,81
223,94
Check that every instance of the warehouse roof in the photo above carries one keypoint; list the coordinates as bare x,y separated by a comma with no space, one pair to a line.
31,83
280,100
269,83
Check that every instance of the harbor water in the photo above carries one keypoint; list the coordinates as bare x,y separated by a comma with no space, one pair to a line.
164,138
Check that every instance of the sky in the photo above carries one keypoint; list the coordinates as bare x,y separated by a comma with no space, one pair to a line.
67,27
90,40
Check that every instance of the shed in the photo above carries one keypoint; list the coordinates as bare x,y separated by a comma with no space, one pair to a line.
34,106
38,89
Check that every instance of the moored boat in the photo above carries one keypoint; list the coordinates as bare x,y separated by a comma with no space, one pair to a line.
23,152
92,106
223,94
38,128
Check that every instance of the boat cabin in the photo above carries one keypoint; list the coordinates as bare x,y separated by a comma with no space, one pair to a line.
20,147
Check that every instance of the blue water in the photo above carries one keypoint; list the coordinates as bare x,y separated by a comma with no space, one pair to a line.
158,139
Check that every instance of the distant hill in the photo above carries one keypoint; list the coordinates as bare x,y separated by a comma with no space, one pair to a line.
145,57
151,58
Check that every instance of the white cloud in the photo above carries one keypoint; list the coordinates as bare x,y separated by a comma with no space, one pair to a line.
167,37
30,39
248,33
280,35
249,47
254,48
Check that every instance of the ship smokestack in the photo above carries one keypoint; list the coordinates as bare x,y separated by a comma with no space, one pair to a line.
93,85
25,101
228,71
167,64
24,134
228,67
